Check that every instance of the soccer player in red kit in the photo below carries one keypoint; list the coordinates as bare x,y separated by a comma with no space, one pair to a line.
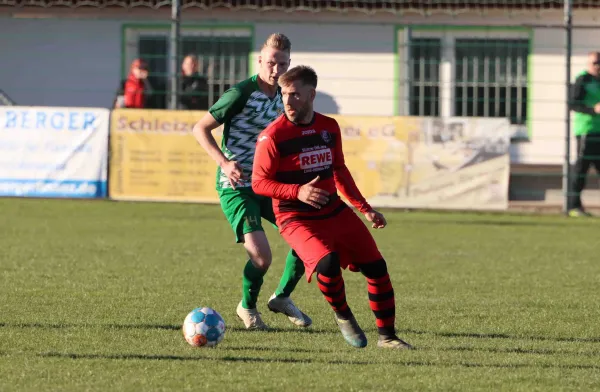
299,163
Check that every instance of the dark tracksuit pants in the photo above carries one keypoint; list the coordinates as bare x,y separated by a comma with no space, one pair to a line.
588,154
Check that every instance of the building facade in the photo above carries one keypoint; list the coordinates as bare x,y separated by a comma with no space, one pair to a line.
419,61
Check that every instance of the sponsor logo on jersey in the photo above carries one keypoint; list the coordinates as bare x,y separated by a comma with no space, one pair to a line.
318,158
308,132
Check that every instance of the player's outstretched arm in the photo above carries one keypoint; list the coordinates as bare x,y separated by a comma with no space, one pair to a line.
345,183
202,131
343,179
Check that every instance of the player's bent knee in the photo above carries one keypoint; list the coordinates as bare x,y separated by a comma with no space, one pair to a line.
260,259
329,265
376,269
258,249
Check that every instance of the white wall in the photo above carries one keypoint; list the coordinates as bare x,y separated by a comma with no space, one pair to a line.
58,62
547,101
355,63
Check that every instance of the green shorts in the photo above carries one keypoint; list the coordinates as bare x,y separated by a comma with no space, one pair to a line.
244,209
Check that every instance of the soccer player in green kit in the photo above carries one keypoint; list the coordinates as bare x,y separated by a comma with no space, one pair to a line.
246,110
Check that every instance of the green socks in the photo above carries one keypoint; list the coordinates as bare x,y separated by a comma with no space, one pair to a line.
253,280
251,283
294,269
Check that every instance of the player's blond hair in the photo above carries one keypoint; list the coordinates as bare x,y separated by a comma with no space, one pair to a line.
302,73
278,41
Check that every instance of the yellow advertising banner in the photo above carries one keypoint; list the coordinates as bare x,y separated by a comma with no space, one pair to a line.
154,156
406,162
424,162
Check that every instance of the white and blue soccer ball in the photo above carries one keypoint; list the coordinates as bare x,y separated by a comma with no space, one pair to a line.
204,327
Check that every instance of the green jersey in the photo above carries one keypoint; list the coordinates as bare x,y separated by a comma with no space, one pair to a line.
245,111
586,94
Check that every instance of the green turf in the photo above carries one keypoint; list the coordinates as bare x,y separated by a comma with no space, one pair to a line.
93,294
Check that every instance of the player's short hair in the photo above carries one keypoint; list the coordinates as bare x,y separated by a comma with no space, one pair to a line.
302,73
278,41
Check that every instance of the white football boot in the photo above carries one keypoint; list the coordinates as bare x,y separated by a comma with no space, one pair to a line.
286,306
251,318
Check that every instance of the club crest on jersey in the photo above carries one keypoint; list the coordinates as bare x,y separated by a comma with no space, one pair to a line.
326,136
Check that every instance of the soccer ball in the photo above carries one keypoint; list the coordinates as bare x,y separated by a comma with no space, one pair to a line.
203,327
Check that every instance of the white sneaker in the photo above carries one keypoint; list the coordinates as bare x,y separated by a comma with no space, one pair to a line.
286,306
251,318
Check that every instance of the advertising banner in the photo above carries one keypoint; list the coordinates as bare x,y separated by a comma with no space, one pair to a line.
424,162
53,152
403,162
154,156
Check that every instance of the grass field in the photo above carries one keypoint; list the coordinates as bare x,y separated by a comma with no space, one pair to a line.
93,294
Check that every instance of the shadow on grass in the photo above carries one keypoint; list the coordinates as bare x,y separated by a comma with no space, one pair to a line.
40,325
193,359
412,363
81,325
174,327
476,335
279,349
536,351
169,327
286,330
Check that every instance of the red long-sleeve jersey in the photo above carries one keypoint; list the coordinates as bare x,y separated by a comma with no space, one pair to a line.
289,155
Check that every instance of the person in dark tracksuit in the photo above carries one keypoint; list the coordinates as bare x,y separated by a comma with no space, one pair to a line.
194,86
585,102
